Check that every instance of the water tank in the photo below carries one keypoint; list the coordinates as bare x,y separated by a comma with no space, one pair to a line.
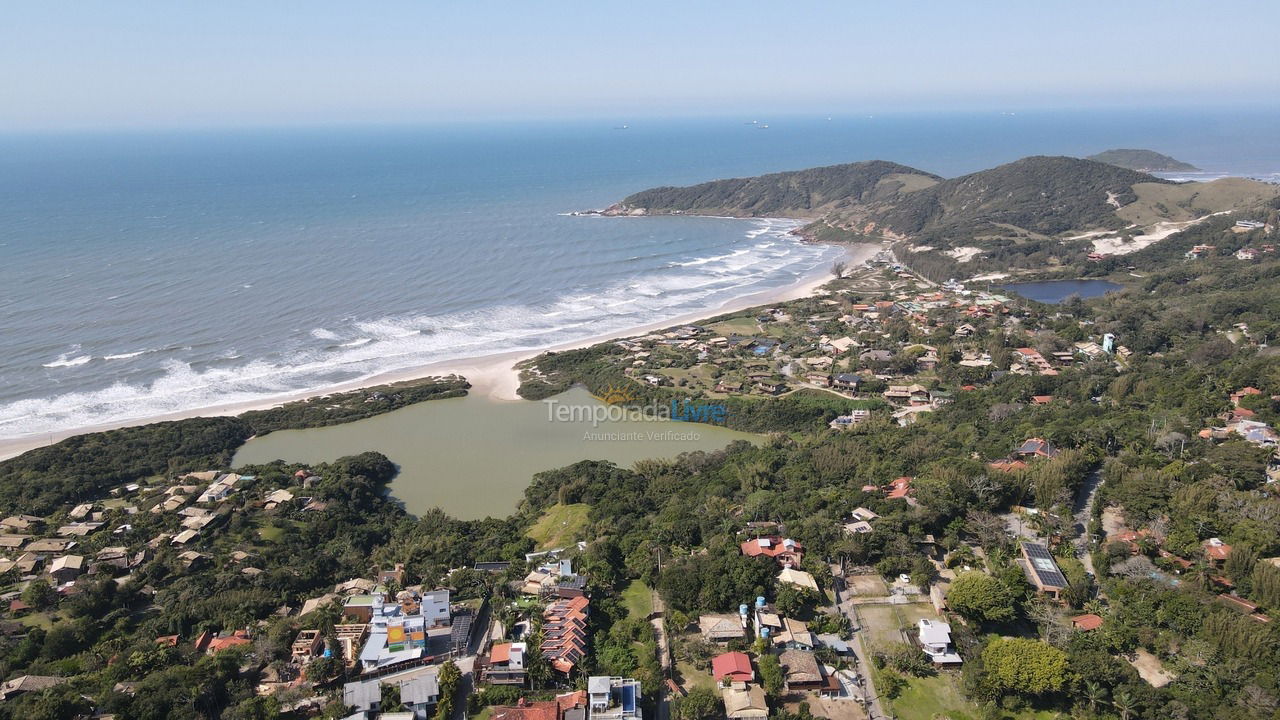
742,609
764,633
759,601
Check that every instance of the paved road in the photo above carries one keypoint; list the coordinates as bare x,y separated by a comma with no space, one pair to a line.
875,711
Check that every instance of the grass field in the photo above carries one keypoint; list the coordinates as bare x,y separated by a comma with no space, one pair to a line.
1185,202
939,696
560,525
884,623
638,599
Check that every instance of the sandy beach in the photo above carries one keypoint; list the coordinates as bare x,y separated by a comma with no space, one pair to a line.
491,376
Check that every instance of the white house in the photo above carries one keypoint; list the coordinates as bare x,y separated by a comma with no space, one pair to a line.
935,639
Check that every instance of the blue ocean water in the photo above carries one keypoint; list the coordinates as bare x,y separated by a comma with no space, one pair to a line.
147,273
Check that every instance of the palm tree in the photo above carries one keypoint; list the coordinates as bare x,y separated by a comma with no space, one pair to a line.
1094,694
1123,703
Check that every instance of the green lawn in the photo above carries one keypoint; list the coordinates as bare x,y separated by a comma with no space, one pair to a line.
939,696
638,599
271,533
560,525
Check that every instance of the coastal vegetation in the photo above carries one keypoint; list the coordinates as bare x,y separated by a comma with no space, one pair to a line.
86,466
1145,471
1038,215
1142,160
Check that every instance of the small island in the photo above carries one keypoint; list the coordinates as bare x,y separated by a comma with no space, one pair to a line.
1143,161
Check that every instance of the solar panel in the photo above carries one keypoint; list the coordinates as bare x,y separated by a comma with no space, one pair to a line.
1044,566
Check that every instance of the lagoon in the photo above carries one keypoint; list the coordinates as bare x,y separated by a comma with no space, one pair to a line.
474,456
1055,291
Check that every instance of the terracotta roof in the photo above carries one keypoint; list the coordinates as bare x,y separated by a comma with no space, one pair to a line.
734,664
1087,622
500,653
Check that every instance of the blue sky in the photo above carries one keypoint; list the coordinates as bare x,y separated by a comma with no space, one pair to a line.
174,63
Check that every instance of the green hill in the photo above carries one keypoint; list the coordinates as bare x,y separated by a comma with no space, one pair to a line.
1142,160
1040,195
800,193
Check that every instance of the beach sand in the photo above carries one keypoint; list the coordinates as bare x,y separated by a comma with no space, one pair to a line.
491,376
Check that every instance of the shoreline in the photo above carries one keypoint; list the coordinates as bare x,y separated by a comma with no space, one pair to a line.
492,376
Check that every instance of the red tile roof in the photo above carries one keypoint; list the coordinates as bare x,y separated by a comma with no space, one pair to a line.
1087,622
500,653
735,665
900,487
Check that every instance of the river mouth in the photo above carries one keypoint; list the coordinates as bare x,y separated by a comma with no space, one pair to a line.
474,456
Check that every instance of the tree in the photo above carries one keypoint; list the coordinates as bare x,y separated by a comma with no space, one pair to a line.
1123,703
838,267
1023,666
39,595
771,675
980,597
1094,694
448,681
701,703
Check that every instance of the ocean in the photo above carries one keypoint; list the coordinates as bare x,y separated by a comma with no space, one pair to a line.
148,273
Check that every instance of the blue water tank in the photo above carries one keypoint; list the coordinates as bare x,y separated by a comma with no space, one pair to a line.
759,601
764,633
742,609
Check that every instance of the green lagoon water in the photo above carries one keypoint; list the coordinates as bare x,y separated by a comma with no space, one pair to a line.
474,456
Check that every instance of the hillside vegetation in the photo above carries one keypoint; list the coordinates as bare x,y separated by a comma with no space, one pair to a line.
1036,214
1143,160
801,193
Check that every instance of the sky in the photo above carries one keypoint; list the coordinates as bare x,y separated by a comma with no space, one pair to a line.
182,63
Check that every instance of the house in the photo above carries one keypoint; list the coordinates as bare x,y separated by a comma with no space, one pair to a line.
1008,465
275,498
801,578
50,545
1032,359
744,702
13,542
306,645
785,551
397,627
772,386
1242,393
28,683
1042,570
855,417
21,523
794,635
78,529
1216,552
861,513
1041,399
506,664
1036,448
722,628
564,633
858,527
66,568
728,387
935,640
613,698
225,641
900,488
847,382
1087,622
733,665
802,671
819,379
